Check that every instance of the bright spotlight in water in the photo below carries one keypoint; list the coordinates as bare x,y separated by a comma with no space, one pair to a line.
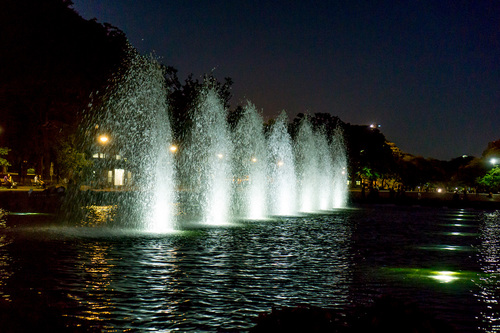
444,276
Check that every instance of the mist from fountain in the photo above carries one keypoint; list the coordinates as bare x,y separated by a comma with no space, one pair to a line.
249,166
218,174
307,165
206,161
281,169
134,115
339,169
325,174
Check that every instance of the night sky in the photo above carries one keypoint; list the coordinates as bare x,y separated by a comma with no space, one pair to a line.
427,71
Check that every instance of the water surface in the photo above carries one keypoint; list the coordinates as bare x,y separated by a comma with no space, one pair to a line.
210,278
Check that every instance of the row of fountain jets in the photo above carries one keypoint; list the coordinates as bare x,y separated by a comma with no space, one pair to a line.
221,175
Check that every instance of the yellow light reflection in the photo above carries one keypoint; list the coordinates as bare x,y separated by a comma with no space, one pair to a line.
98,215
6,270
97,277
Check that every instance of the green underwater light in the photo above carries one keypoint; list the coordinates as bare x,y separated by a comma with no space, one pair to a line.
445,247
444,276
440,276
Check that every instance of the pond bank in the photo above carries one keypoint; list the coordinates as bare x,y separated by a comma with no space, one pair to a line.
27,199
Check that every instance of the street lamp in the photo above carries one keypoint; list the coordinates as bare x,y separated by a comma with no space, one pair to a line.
173,148
103,139
494,161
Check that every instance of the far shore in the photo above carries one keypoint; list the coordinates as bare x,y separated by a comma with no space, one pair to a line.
30,199
444,199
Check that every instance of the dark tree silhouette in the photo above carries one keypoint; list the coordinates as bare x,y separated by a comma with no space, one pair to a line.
51,60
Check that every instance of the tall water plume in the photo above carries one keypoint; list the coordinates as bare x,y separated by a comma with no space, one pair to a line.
217,174
326,171
134,115
307,163
340,172
206,162
281,169
249,165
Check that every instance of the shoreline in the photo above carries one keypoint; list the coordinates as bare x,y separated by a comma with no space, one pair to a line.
29,199
479,201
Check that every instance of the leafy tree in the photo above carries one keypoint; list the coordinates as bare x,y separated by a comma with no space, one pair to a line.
320,121
3,162
182,97
491,180
71,161
51,60
368,148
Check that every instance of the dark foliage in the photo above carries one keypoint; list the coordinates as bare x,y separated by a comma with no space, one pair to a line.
183,96
52,59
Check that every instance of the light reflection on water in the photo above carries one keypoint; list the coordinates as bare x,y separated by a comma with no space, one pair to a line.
489,282
206,279
95,216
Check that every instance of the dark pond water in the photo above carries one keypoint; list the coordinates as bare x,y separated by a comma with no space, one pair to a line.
208,279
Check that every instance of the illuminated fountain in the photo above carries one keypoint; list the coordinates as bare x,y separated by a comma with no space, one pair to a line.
206,161
281,170
219,174
325,174
134,111
249,166
339,169
307,163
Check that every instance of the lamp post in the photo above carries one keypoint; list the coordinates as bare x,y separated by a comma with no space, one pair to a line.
103,140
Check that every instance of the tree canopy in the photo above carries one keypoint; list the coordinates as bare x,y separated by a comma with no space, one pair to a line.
52,60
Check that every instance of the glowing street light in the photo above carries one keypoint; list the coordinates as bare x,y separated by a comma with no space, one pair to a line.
103,139
280,163
494,161
220,156
173,148
254,159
